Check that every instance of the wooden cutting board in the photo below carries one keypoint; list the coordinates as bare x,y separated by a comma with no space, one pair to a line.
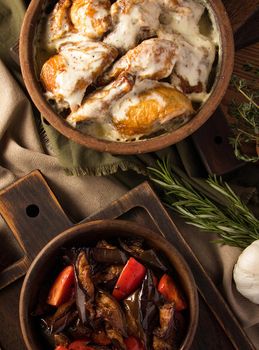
34,215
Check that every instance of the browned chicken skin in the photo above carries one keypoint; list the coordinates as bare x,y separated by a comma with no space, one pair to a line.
98,103
66,75
91,17
152,59
149,106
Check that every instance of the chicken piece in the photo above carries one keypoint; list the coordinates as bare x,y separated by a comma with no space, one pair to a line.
96,106
134,21
193,64
152,59
59,22
91,17
147,107
66,75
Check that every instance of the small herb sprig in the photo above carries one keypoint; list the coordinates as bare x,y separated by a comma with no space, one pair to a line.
233,221
246,114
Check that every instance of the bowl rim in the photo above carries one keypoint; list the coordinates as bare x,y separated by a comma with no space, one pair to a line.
26,52
79,230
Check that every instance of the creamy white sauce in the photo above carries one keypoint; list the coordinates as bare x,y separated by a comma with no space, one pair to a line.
129,26
192,60
82,64
119,109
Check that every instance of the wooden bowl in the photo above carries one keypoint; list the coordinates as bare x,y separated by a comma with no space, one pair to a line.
225,68
88,233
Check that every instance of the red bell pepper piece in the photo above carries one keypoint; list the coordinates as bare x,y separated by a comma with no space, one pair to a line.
133,343
61,289
80,345
60,347
129,280
170,291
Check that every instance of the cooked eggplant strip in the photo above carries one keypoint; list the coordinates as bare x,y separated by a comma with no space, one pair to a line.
109,255
107,278
64,315
84,288
166,319
149,302
131,306
110,310
105,244
161,344
78,330
148,257
116,338
61,339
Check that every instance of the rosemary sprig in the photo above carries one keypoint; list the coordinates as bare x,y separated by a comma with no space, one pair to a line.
234,223
246,127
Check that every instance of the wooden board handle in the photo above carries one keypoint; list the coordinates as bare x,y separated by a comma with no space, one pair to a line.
34,215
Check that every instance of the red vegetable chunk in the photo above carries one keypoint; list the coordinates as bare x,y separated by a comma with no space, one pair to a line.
130,279
80,345
61,347
171,292
61,289
133,343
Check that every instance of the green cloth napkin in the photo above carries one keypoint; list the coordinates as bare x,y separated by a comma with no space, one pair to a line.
11,16
78,160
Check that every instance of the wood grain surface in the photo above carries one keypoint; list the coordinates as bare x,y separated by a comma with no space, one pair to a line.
217,329
212,139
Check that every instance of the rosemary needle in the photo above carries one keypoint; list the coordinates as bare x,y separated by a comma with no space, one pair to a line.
233,222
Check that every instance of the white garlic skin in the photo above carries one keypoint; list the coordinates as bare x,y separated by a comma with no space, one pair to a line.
246,273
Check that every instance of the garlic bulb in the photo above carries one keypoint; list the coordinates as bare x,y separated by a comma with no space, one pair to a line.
246,273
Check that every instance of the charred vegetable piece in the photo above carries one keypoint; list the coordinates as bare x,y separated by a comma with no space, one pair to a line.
130,279
84,288
65,314
161,344
78,330
116,338
149,301
133,344
166,319
61,289
171,292
80,345
131,306
110,310
109,256
60,347
149,257
101,338
108,277
61,339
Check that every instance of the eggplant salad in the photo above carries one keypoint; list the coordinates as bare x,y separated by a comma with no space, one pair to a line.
118,295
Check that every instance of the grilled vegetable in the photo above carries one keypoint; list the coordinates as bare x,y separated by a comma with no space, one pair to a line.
130,279
61,289
133,344
171,292
84,288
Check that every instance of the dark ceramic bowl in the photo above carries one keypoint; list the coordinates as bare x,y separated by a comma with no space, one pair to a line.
224,71
87,234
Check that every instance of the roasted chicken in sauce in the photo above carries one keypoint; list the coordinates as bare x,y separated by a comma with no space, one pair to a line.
103,56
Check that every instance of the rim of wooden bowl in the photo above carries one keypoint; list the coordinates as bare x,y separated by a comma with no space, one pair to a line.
226,62
79,234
